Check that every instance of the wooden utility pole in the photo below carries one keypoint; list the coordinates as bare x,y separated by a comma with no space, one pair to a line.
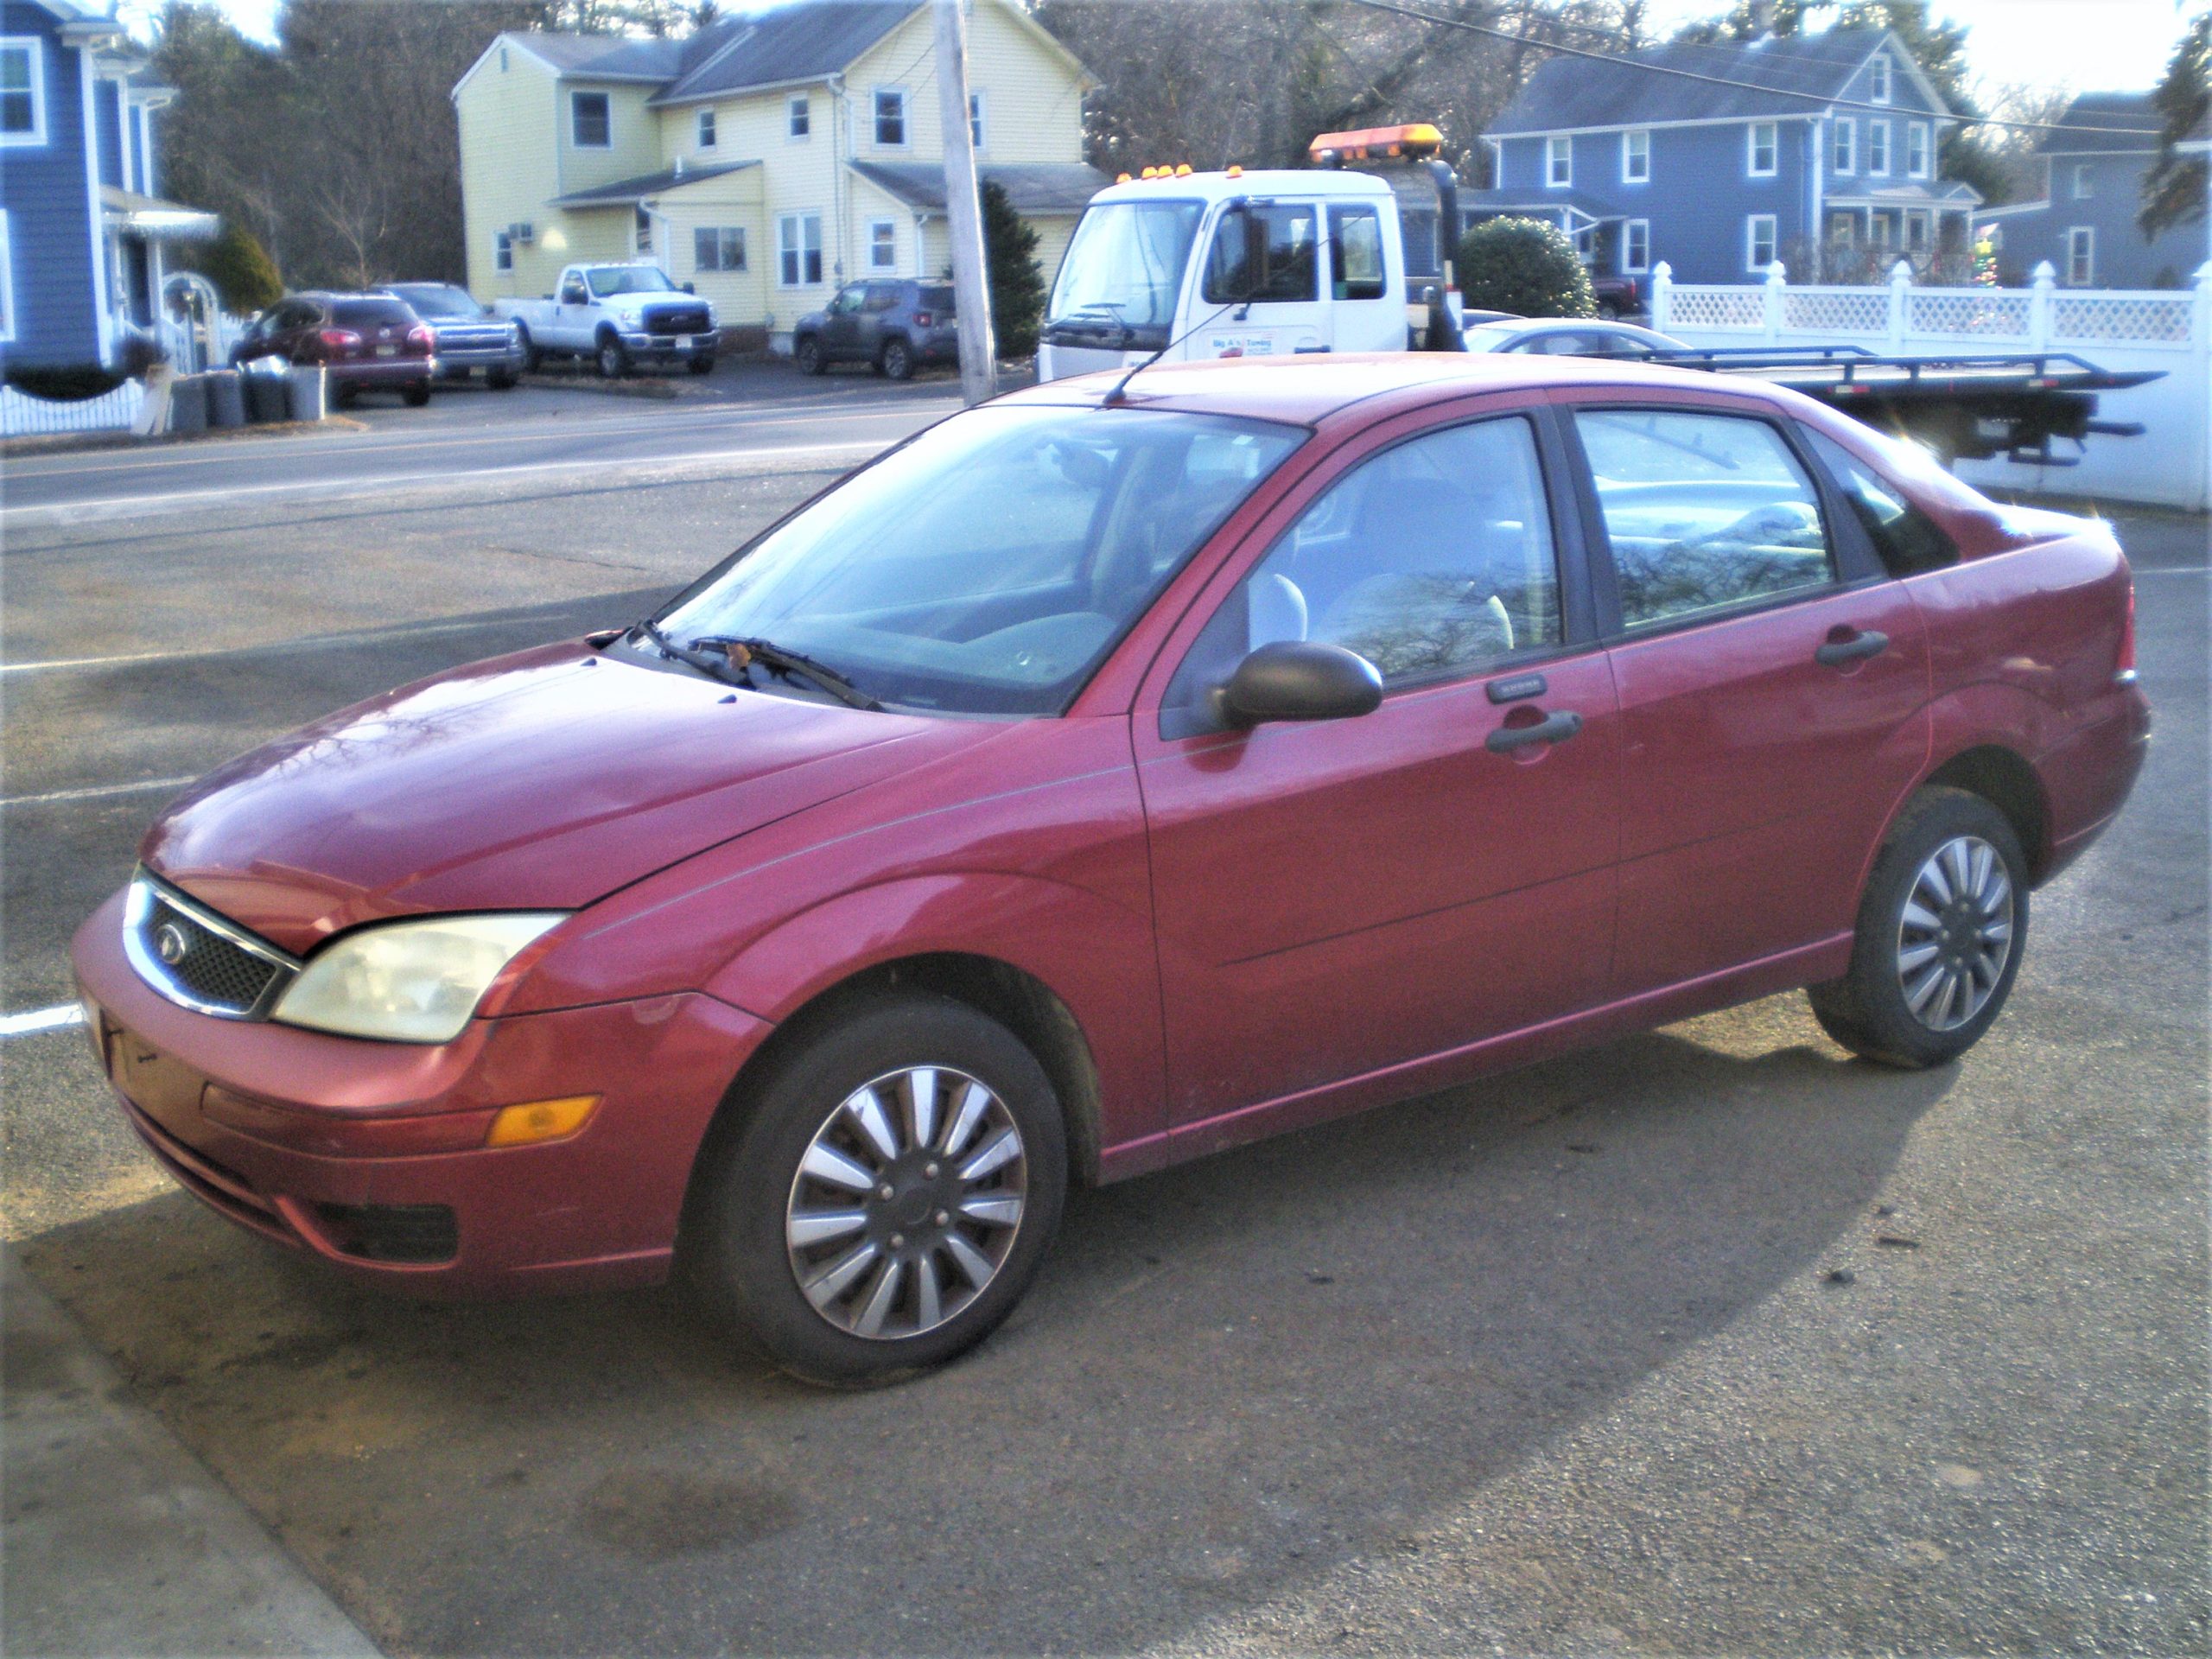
963,217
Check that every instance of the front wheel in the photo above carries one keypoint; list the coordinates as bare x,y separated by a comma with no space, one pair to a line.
532,359
808,352
613,359
701,365
1939,938
499,379
887,1196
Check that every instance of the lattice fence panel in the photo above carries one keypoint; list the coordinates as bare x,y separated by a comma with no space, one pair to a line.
1836,310
1701,306
24,415
1974,312
2150,319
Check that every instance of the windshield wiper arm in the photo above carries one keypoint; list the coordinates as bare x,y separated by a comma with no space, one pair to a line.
713,667
787,662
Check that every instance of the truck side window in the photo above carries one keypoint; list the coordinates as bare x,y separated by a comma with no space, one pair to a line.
1355,253
572,291
1263,254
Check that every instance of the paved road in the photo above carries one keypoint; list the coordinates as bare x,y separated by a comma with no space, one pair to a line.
1712,1340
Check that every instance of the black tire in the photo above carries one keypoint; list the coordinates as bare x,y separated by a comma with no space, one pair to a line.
1608,312
808,355
612,356
1869,1010
416,394
344,396
701,365
532,359
738,1259
896,359
499,379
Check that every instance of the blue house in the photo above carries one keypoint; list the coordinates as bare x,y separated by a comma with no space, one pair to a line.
81,224
1818,150
2084,225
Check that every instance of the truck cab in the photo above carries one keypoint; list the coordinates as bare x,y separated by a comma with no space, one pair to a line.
1232,263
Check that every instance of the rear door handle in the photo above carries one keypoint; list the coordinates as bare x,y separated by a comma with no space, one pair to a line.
1836,653
1554,727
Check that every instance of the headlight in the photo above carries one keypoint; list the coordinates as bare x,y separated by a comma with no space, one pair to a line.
409,981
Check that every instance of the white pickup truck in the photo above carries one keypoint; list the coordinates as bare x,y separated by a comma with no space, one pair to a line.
620,315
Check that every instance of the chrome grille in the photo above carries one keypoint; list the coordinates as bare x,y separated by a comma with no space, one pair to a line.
196,957
676,320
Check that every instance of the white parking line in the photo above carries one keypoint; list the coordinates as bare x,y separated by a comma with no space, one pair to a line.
37,1019
145,786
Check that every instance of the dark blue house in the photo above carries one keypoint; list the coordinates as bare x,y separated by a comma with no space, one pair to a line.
81,224
1818,150
2085,224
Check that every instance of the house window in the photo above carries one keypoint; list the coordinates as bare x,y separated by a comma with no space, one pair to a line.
1843,156
6,277
2081,257
1765,149
706,129
798,250
976,123
1759,242
22,90
1915,149
503,250
718,248
644,238
2083,189
1881,74
1878,147
591,121
891,118
883,245
798,116
1636,157
1559,163
1636,245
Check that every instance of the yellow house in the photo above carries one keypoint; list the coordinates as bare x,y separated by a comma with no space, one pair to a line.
765,159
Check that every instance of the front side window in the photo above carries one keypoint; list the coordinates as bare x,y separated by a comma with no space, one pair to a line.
1355,253
1878,147
706,129
22,90
1430,560
1636,157
1559,163
503,250
988,567
891,118
798,117
882,244
1759,240
1703,512
591,120
1844,158
718,247
798,250
1636,245
1907,538
1263,254
1765,150
1915,149
1124,269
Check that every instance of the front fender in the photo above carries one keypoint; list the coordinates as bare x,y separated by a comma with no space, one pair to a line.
1095,956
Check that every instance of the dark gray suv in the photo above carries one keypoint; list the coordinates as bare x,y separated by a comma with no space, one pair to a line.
896,326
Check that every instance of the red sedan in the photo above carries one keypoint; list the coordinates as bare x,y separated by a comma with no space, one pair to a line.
1096,781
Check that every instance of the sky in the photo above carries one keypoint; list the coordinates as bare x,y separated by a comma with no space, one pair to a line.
2081,45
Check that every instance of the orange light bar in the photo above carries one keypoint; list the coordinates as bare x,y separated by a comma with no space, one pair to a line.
1415,142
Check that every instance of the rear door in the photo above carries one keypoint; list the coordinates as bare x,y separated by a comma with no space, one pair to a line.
1773,683
1260,287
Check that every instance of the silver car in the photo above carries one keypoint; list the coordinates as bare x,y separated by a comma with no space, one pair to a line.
468,336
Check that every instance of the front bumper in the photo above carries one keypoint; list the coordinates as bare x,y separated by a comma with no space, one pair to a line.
459,360
302,1137
670,348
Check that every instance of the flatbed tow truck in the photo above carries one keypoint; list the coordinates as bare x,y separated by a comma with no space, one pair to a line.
1183,266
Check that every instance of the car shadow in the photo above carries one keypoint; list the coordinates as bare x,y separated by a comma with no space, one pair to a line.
1233,1378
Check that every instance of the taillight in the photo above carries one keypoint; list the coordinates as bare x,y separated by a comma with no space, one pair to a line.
923,319
340,340
2124,670
422,340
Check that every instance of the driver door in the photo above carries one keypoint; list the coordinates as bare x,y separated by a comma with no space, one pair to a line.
841,323
1262,275
1338,898
575,313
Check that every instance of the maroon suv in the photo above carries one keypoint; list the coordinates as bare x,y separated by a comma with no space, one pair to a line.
364,342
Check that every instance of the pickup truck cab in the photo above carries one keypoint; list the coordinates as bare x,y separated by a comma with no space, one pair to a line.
620,315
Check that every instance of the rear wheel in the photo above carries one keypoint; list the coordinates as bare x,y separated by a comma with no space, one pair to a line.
1608,312
888,1195
1939,934
808,354
898,360
614,357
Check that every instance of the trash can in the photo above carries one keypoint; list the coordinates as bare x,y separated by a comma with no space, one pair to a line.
188,404
307,393
225,398
268,395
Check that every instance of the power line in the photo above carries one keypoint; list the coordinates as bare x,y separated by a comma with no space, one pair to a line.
1738,86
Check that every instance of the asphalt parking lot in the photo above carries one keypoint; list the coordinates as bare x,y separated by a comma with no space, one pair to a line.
1713,1340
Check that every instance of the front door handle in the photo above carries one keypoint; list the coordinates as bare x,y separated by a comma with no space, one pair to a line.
1554,727
1850,648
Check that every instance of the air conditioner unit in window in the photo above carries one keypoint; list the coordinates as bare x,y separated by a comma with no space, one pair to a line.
525,233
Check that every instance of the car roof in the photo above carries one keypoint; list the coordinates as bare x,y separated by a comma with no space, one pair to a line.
1305,391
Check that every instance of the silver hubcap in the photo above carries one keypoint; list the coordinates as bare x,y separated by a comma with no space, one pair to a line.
907,1202
1956,933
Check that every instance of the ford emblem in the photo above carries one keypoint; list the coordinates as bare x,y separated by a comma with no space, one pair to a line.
170,943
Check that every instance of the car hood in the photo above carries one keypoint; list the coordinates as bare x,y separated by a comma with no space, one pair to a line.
540,781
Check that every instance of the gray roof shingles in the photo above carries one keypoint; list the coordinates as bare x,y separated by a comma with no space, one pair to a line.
2133,110
1030,187
800,42
646,184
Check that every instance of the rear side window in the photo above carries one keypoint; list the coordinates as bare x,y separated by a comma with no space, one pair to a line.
1703,512
1263,255
1355,253
372,314
1907,538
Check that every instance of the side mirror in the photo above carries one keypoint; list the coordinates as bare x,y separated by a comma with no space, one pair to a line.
1297,680
691,288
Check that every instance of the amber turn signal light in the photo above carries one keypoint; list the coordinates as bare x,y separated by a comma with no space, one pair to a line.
541,1120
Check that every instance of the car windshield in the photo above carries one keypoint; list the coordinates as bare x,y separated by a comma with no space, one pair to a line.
989,566
628,279
1126,261
439,300
372,314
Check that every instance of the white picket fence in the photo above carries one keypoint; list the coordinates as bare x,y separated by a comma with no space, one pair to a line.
2166,330
23,416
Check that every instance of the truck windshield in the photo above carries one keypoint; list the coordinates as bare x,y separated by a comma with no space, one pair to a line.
607,280
988,567
1124,266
